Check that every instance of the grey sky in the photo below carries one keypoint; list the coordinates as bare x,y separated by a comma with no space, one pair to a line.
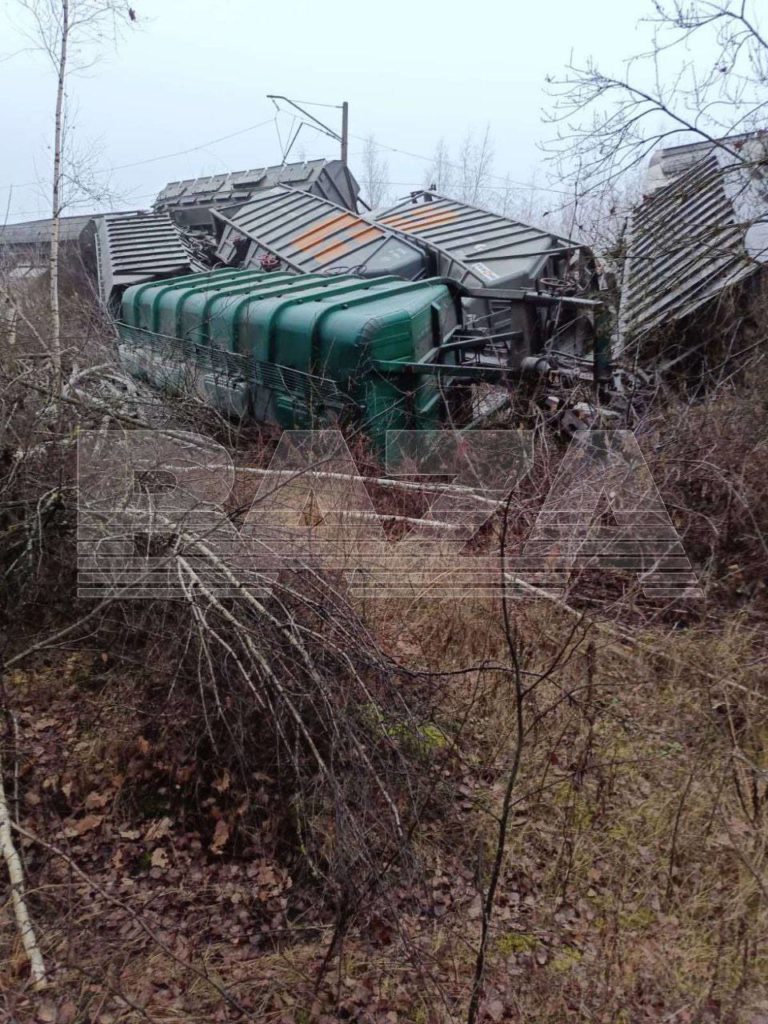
195,70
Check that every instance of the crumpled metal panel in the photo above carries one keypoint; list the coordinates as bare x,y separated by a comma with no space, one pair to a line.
189,202
311,235
136,247
38,232
484,250
689,241
474,246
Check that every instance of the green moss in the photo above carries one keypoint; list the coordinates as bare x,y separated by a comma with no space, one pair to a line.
419,740
372,715
618,832
575,806
433,736
637,920
566,960
516,942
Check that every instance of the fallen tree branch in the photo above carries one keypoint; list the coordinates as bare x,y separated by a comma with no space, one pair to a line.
116,901
379,481
16,876
619,636
519,694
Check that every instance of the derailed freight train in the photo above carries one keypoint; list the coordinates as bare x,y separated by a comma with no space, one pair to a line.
303,313
298,351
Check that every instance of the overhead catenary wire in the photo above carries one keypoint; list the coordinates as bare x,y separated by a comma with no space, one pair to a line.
508,184
45,212
163,156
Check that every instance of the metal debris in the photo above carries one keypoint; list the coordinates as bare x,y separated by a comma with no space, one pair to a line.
690,241
132,248
189,202
309,235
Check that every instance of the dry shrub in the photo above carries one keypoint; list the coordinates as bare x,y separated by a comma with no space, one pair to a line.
710,462
358,750
635,879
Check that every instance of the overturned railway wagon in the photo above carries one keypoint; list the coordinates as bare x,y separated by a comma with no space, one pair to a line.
190,202
496,258
522,286
135,247
309,234
295,351
315,314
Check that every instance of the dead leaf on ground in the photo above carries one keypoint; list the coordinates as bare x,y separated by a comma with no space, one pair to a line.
44,723
96,800
67,1013
220,836
86,824
495,1009
158,830
160,858
46,1013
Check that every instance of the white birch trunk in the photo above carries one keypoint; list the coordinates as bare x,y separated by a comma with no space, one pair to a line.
16,876
58,147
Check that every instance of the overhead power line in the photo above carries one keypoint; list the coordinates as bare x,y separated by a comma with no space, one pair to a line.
508,183
499,177
164,156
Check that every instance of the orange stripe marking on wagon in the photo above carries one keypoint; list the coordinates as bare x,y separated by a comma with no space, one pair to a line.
318,234
410,222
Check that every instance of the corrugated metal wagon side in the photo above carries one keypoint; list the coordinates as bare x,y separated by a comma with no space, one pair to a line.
485,251
311,235
295,351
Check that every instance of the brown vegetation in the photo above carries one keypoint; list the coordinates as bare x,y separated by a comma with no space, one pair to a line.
289,809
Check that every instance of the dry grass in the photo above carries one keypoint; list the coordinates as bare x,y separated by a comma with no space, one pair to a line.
639,830
634,881
634,885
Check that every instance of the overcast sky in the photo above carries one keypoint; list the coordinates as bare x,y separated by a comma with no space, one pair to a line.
192,71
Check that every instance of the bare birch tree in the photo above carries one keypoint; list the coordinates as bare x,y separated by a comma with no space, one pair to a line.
703,78
375,174
69,34
12,860
440,173
475,167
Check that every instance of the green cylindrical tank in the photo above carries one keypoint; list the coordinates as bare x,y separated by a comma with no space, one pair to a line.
294,350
